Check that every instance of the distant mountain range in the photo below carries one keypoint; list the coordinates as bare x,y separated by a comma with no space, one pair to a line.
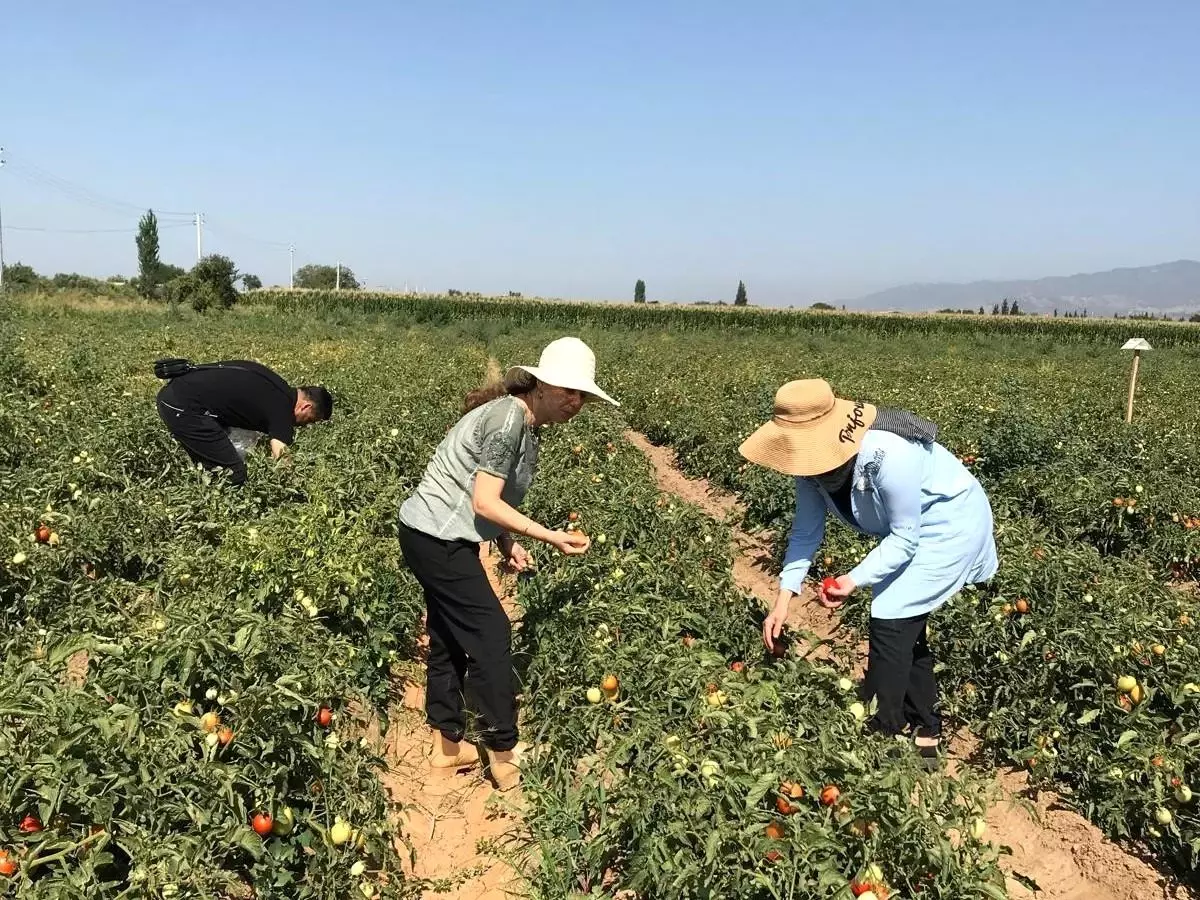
1172,288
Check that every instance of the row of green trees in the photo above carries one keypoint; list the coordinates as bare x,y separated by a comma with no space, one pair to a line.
739,299
211,284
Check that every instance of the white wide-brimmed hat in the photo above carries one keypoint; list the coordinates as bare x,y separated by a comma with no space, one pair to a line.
568,363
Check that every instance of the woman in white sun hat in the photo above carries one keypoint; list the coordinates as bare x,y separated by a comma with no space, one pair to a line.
881,472
469,494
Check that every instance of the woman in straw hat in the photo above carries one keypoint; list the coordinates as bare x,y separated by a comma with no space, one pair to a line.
469,493
882,473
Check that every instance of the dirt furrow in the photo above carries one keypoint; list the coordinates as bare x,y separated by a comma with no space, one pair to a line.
1059,851
454,825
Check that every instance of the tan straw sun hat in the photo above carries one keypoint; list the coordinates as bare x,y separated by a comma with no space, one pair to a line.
568,363
812,431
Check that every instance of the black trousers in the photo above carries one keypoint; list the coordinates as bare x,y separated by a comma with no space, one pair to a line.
900,676
470,640
205,441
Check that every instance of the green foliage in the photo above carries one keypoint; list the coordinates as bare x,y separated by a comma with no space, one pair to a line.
825,306
741,299
251,282
1096,529
210,285
316,277
639,292
619,798
147,253
750,320
160,586
20,277
168,272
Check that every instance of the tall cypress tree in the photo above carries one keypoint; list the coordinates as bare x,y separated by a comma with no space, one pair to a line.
147,251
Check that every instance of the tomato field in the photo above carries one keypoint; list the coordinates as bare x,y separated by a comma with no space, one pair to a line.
194,679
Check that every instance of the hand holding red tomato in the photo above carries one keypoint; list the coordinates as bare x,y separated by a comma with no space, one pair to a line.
834,591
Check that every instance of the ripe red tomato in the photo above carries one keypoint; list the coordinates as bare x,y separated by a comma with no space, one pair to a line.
324,716
1022,606
829,795
31,825
774,856
775,831
784,807
261,822
737,665
8,865
225,735
43,534
573,517
828,584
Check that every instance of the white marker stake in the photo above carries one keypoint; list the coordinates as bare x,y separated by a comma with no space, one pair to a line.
1137,345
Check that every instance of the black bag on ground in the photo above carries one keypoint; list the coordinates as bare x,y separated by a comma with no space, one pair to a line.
171,368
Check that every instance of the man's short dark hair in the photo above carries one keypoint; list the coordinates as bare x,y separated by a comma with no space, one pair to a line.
321,400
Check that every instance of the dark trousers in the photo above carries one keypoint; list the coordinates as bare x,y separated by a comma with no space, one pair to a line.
470,640
205,441
900,676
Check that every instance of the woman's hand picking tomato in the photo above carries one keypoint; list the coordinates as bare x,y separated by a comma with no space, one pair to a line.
834,591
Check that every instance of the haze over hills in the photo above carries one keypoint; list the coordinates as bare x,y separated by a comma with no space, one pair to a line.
1172,288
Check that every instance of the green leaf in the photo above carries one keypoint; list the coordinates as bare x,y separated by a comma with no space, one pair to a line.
1126,737
1087,717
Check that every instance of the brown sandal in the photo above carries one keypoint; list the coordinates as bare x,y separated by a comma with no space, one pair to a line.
450,757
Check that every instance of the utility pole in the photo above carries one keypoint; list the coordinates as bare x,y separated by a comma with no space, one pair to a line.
1,232
292,267
337,284
199,236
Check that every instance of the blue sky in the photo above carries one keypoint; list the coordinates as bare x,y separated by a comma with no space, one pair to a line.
815,150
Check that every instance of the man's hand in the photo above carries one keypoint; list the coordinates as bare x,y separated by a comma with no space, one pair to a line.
278,448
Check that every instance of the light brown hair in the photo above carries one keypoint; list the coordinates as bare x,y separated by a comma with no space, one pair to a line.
496,384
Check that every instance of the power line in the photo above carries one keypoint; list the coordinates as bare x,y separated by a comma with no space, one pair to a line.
39,176
242,236
41,230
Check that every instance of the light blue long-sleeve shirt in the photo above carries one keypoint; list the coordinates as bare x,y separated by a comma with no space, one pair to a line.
931,513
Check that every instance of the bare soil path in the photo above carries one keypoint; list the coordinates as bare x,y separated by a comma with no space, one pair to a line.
456,826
